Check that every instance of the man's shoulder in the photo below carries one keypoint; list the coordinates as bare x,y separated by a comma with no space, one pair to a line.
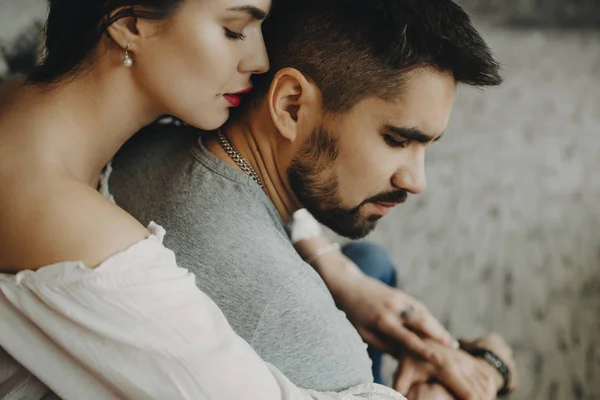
165,171
160,136
248,246
155,145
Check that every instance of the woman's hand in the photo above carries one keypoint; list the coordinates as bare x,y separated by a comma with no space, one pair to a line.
466,377
429,391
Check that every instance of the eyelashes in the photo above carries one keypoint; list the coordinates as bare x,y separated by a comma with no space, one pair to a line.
234,35
391,141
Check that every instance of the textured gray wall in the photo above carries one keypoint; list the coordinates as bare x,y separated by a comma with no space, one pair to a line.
17,17
17,14
507,236
555,13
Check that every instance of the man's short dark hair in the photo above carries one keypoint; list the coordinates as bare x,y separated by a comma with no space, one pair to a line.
354,49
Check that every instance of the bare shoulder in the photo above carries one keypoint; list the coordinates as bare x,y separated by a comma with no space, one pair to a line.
52,221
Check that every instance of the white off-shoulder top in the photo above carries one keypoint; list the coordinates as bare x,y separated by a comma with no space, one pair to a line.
135,327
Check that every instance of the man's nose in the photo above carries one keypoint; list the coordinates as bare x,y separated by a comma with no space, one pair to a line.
411,175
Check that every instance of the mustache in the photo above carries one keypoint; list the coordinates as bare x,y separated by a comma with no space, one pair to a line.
397,196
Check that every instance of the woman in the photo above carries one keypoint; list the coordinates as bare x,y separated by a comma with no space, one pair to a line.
122,321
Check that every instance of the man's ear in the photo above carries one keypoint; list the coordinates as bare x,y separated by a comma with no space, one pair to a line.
293,102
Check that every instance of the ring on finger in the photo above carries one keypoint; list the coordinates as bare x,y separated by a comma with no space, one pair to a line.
407,313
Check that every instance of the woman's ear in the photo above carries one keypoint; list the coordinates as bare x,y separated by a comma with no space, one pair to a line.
124,31
294,102
128,32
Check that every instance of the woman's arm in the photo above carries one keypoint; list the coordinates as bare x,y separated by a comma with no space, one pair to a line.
136,327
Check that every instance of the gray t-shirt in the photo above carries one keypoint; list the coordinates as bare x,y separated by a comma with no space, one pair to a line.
223,228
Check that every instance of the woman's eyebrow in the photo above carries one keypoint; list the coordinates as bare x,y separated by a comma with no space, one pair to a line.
254,12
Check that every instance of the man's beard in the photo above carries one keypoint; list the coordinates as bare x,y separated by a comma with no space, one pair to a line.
313,181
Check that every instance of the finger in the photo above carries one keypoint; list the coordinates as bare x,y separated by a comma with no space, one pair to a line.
404,380
429,391
489,384
478,386
414,393
423,321
438,392
514,377
374,340
465,344
418,392
457,383
394,328
490,388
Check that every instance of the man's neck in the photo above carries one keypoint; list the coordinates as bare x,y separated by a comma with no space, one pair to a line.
258,147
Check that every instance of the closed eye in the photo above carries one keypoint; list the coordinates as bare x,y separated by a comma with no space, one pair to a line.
234,35
393,142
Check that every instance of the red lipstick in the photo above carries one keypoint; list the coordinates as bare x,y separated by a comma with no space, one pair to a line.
235,99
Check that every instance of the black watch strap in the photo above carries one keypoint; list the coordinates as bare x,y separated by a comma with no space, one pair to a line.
491,358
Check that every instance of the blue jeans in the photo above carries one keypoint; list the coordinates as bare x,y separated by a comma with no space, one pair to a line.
375,262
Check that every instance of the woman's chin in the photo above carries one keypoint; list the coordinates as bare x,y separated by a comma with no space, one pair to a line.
209,122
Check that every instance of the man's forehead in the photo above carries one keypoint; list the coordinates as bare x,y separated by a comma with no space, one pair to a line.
425,103
406,115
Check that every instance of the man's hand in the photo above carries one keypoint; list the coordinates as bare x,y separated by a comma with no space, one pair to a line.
390,319
467,377
386,318
429,391
496,344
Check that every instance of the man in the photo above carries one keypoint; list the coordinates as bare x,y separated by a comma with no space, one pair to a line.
357,91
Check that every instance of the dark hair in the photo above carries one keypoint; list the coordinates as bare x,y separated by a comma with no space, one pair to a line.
352,49
74,28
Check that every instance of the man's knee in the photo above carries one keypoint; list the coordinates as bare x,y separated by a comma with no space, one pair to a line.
373,260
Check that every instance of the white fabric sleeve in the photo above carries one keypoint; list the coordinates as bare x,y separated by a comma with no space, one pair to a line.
137,327
304,226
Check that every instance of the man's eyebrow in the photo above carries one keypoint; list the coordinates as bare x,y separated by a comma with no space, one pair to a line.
412,134
255,13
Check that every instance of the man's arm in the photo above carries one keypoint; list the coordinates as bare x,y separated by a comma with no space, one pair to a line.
357,295
375,309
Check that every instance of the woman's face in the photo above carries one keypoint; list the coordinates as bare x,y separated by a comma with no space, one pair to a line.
201,57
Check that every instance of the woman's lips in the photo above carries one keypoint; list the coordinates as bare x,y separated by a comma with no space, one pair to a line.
235,99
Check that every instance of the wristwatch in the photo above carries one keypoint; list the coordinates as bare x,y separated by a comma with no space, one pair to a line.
491,358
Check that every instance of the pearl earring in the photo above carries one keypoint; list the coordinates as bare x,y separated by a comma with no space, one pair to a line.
127,61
